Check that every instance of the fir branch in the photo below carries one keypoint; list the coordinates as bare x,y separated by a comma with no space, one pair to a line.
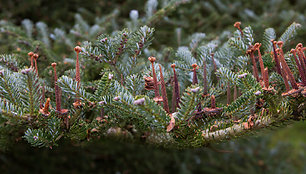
71,87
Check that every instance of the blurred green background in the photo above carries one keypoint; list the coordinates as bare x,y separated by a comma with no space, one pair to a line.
281,150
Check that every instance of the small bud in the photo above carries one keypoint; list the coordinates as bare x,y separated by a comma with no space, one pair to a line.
53,65
139,101
172,65
103,40
242,75
35,137
101,102
257,93
116,98
26,71
110,76
195,90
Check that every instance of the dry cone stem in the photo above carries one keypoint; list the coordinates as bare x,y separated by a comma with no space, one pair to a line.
35,56
262,68
163,91
285,66
30,54
255,71
301,71
176,97
276,59
195,78
156,90
77,102
302,61
237,25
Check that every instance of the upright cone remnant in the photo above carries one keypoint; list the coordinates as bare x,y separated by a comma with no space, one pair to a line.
30,54
77,49
276,59
266,80
284,75
285,66
156,89
262,68
176,92
213,110
163,91
282,71
237,25
250,52
59,110
301,71
35,56
195,78
57,92
301,56
77,102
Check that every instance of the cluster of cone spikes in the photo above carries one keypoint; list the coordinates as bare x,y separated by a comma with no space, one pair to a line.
151,83
281,68
44,108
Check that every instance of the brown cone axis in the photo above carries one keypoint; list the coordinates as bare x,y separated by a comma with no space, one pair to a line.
163,91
